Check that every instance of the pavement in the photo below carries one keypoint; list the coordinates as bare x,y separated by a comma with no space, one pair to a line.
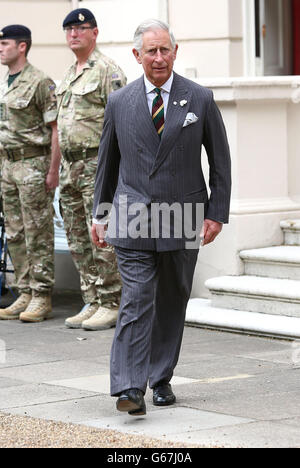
233,390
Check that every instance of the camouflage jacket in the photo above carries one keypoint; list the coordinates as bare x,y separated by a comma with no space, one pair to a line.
26,109
82,99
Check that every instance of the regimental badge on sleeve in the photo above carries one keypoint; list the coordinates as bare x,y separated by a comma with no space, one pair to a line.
52,92
116,84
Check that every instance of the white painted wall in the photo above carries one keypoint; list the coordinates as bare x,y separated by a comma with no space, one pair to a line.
44,18
209,44
209,33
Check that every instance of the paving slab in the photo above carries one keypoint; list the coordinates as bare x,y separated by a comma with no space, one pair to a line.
167,422
7,382
288,355
265,434
74,410
46,371
35,394
18,358
263,406
101,383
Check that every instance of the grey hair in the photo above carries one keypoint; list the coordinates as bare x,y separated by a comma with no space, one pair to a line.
151,25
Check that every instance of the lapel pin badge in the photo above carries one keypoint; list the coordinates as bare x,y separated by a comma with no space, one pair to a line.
175,103
183,102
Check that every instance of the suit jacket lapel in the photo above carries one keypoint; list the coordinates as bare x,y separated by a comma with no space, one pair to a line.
174,121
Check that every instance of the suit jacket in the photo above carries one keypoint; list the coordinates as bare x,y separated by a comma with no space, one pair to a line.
136,167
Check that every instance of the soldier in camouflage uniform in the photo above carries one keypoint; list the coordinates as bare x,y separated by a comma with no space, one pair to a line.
82,97
28,115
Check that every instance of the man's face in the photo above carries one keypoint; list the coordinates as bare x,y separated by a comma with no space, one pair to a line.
81,38
10,51
157,56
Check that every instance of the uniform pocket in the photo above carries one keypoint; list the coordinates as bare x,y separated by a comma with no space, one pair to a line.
21,109
19,102
88,103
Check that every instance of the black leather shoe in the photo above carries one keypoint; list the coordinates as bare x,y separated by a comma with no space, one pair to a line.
132,401
163,395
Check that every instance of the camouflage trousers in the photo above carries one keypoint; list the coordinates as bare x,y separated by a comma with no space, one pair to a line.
99,277
28,214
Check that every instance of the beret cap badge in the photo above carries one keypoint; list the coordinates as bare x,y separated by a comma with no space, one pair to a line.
79,16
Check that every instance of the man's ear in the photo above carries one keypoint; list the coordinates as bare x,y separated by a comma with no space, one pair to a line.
95,33
175,51
22,47
137,56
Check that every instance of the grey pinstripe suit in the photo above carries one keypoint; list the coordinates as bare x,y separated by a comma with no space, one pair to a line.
157,273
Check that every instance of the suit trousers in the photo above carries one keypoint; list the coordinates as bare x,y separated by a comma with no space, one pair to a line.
148,335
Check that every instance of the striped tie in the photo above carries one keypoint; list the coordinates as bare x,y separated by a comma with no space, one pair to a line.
158,112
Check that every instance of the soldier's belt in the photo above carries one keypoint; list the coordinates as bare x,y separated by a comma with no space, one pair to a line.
87,153
26,152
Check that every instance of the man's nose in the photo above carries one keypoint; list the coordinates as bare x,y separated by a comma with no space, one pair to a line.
159,56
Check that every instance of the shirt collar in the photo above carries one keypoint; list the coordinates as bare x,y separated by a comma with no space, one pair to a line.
94,56
165,87
23,76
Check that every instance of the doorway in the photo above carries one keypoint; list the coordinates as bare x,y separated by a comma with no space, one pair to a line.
296,37
273,37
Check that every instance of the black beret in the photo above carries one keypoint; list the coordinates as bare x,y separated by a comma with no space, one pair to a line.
79,16
15,31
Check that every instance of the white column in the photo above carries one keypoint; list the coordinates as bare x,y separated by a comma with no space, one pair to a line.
75,4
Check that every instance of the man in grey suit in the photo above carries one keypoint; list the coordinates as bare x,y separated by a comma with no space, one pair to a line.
150,164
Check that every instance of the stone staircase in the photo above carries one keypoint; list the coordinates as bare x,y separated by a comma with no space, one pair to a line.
271,281
266,296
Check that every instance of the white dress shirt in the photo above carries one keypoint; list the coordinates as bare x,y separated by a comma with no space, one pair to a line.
151,95
165,92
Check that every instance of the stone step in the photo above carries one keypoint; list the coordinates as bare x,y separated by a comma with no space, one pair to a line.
200,312
291,231
256,294
273,262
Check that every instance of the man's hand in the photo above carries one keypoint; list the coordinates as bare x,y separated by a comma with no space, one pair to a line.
98,235
52,180
210,230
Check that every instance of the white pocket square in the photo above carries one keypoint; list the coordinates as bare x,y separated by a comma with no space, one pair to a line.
190,119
